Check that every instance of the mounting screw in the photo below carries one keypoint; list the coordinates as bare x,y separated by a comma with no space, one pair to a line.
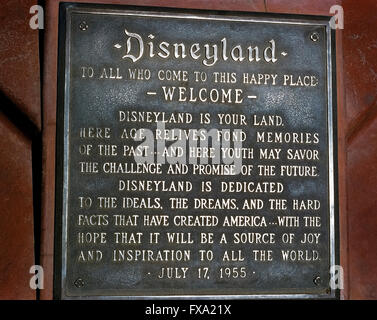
83,26
79,283
317,280
314,36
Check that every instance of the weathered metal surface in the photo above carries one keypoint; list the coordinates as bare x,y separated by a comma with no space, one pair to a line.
286,81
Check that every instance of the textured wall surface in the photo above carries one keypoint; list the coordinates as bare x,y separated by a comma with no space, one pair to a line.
16,214
19,81
360,79
20,113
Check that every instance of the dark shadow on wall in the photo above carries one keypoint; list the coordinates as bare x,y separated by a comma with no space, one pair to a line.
28,128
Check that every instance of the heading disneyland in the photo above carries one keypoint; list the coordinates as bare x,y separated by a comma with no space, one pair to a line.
209,54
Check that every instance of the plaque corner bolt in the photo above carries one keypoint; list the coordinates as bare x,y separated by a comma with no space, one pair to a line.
314,36
79,283
83,26
317,280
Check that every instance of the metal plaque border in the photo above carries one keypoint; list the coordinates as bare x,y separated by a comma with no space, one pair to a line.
62,135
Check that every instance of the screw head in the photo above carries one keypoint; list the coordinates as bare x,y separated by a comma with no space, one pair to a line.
314,36
317,280
83,26
79,283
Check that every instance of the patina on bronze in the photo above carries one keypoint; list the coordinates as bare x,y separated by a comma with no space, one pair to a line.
261,227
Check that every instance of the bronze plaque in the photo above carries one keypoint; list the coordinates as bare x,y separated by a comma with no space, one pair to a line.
195,155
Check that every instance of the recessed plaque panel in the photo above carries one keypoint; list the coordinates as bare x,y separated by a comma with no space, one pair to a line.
194,155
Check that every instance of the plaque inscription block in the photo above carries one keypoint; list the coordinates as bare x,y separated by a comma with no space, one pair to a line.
195,154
